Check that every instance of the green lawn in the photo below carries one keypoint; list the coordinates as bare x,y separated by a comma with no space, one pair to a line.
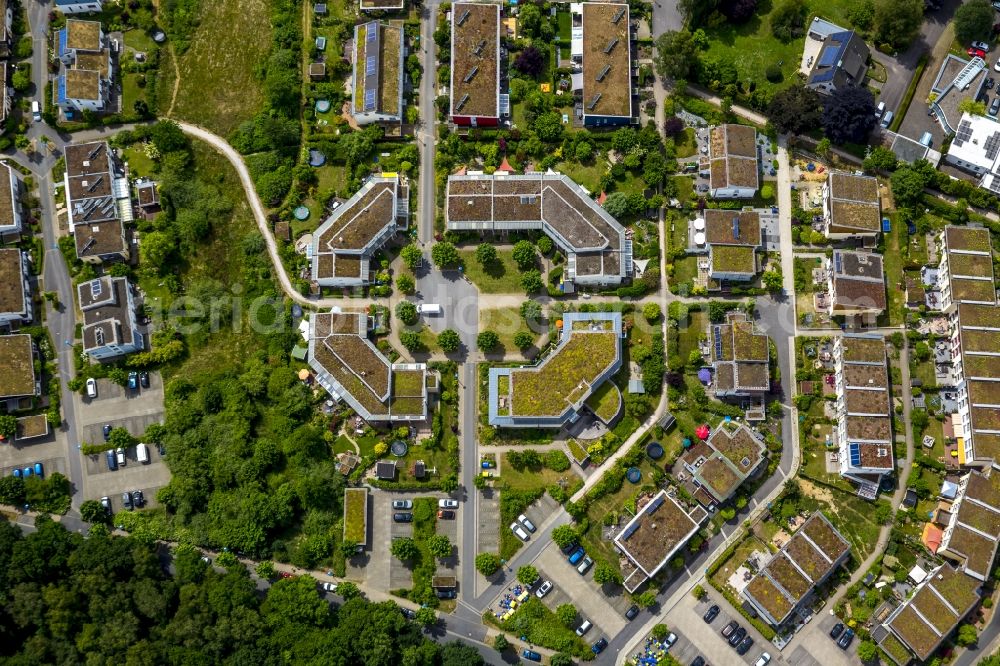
923,371
531,479
630,183
587,175
565,21
687,144
501,277
138,163
138,40
894,271
545,629
131,92
685,270
219,85
605,401
685,193
506,322
688,336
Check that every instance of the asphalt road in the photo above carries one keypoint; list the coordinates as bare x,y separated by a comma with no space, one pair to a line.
666,16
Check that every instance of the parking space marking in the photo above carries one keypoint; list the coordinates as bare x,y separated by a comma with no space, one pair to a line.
583,592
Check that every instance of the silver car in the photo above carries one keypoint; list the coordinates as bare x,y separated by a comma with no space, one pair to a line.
402,504
544,589
523,519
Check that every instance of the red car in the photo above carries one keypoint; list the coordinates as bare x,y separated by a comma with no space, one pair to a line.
285,574
979,53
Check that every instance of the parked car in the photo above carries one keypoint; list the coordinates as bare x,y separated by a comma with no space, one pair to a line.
845,639
711,614
886,120
531,655
409,614
530,526
577,555
632,612
16,473
728,630
91,388
519,532
133,380
447,504
670,639
584,566
144,379
27,471
137,499
744,645
982,46
763,659
127,501
112,461
106,503
996,6
837,630
329,587
977,53
737,636
995,106
403,517
568,548
402,504
107,431
446,514
598,647
584,627
120,456
39,471
543,589
996,66
879,109
698,661
990,82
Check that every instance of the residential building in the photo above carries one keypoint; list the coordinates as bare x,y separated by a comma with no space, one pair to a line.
6,28
11,214
733,238
98,202
15,294
863,430
147,196
598,250
601,50
958,79
740,358
110,325
86,80
786,582
6,96
660,528
855,284
851,205
968,297
377,91
976,149
971,535
842,63
935,609
79,6
733,162
344,243
475,65
17,370
718,466
551,393
352,369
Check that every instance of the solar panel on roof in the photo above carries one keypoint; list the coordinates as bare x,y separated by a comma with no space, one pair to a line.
370,100
370,32
828,58
655,504
964,132
618,15
736,227
472,73
464,16
855,452
371,65
838,262
717,333
604,72
629,532
992,145
611,45
95,288
593,102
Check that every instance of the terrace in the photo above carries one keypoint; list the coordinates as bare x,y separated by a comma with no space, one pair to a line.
17,367
475,53
607,76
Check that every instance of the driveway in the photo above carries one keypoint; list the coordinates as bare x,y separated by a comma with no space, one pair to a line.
816,647
666,16
582,592
696,637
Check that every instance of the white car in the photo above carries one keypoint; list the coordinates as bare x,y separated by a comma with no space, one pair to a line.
670,639
519,531
980,45
764,658
329,587
527,523
447,504
996,67
91,388
402,504
544,589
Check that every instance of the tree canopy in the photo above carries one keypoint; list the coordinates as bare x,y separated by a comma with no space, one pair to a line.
795,109
676,55
849,115
973,21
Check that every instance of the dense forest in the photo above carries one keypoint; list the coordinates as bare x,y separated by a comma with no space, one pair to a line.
110,600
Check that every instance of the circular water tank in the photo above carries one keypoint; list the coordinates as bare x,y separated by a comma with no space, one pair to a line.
699,224
699,238
301,213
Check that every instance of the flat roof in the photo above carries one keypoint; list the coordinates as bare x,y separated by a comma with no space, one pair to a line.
106,317
12,277
83,84
730,455
854,202
940,603
97,239
378,57
731,227
733,259
17,366
7,202
739,353
659,529
607,60
863,349
83,35
733,157
858,281
475,59
967,239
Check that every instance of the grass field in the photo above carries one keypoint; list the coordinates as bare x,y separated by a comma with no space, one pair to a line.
894,271
587,175
686,143
501,277
529,479
688,336
138,163
506,322
685,270
218,89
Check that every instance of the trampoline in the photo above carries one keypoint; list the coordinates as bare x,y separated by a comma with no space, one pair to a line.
654,450
316,158
301,213
633,474
399,448
322,105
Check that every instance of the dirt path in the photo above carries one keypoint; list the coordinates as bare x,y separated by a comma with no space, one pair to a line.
817,492
177,79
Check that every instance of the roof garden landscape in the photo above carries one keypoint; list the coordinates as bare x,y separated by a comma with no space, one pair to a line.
546,390
821,533
980,291
356,515
657,531
850,187
747,344
83,84
805,555
767,595
17,366
737,446
717,474
607,66
971,239
605,402
784,574
11,280
720,227
961,592
733,259
35,425
863,349
475,33
864,217
83,35
972,265
978,315
6,200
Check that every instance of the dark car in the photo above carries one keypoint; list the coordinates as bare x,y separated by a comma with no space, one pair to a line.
531,655
127,501
408,614
598,647
837,630
845,639
138,499
744,646
632,612
994,106
112,461
568,548
698,661
107,431
711,614
403,517
728,630
737,636
106,504
144,379
133,380
447,514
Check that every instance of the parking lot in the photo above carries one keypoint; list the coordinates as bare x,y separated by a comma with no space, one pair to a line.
384,571
488,529
49,450
696,637
813,646
135,411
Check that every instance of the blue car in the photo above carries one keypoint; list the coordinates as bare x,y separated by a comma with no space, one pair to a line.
17,473
112,463
38,470
531,655
576,555
133,380
27,472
